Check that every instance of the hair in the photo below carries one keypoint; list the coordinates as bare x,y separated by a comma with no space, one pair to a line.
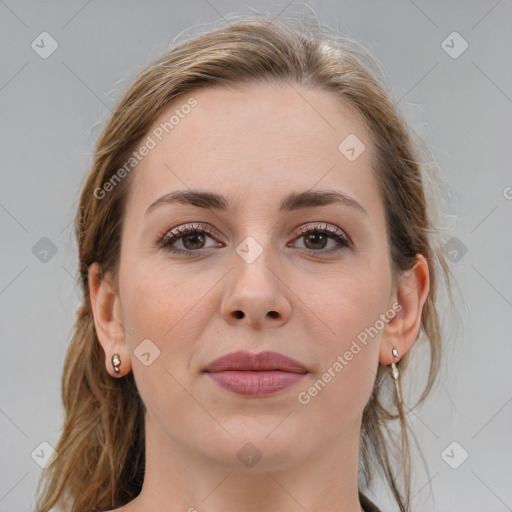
101,450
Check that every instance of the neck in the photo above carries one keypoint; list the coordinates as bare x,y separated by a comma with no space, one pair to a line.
181,478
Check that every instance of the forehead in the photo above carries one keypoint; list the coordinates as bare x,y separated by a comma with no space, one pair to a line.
254,141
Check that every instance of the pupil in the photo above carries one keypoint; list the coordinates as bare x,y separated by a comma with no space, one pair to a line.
318,237
195,236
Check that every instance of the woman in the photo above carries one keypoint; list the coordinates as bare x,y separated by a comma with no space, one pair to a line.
257,259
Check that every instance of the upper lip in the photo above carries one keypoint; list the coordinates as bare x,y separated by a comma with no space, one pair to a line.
263,361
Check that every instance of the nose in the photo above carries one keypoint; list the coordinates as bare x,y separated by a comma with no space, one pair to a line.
256,295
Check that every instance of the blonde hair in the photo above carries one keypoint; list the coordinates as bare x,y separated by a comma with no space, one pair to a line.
101,449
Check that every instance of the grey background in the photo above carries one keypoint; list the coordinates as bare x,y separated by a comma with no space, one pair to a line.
53,109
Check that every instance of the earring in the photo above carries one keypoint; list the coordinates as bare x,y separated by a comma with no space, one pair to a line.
396,376
116,361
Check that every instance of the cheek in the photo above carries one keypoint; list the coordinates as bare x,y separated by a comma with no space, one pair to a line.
352,307
351,301
336,397
169,307
161,306
158,298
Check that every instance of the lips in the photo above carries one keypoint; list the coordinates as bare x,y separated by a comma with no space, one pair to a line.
263,361
255,375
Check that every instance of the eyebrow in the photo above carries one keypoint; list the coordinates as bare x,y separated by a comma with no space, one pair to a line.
294,201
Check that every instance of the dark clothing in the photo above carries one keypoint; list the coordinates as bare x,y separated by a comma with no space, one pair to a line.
367,505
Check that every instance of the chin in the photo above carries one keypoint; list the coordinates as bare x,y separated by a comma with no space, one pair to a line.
252,449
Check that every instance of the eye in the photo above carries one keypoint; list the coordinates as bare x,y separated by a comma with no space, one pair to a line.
191,236
317,236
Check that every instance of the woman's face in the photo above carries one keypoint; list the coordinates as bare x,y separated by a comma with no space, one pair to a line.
307,296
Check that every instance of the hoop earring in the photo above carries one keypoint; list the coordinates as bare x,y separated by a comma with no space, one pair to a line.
116,361
396,376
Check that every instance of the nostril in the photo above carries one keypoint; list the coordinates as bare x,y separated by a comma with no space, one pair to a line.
239,314
273,314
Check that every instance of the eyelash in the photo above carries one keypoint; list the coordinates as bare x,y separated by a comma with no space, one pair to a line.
168,237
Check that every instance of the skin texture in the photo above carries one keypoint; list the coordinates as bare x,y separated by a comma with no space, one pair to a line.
254,146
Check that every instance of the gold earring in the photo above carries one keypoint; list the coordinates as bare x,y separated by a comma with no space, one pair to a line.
396,376
116,361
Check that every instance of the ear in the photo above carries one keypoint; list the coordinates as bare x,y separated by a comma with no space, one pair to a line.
108,320
408,300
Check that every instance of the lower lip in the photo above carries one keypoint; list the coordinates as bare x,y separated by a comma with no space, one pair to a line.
260,383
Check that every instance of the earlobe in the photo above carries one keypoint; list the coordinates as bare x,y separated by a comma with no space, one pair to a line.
403,329
108,321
